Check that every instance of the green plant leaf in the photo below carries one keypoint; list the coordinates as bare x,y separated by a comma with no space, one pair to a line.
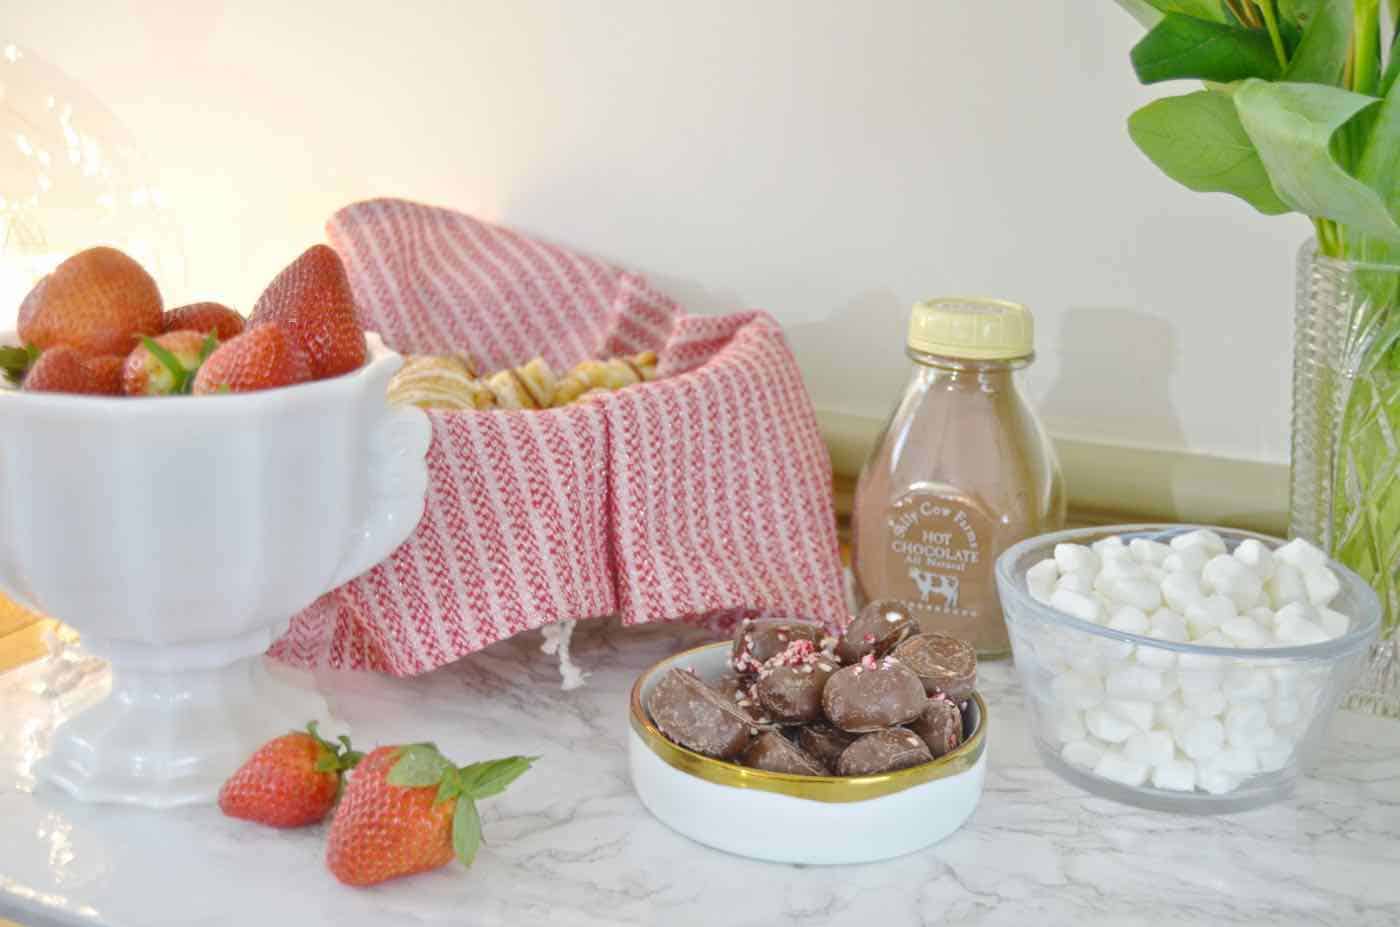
483,780
1150,12
1197,140
1181,47
1380,170
1298,11
466,830
1392,70
418,766
1292,127
1322,53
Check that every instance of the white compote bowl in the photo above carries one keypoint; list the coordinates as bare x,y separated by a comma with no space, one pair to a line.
179,535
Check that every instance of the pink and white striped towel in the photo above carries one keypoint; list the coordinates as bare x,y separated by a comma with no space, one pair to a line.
704,495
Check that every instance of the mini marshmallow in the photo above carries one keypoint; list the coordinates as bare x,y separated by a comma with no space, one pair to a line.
1209,614
1301,555
1200,738
1216,781
1112,652
1275,756
1322,585
1264,616
1102,544
1182,590
1145,551
1333,623
1074,557
1175,775
1150,748
1069,726
1077,690
1226,576
1203,538
1172,713
1140,714
1046,572
1140,592
1080,581
1247,684
1247,724
1107,726
1154,573
1168,625
1299,632
1241,761
1137,683
1284,711
1129,619
1214,638
1155,657
1286,585
1255,555
1086,753
1205,702
1116,767
1245,632
1081,606
1190,561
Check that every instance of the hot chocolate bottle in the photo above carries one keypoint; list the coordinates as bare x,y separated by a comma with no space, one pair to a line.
962,470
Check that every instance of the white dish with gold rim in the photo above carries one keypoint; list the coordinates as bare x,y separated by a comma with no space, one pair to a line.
821,820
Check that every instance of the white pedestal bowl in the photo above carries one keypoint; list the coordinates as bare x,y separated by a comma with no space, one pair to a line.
179,536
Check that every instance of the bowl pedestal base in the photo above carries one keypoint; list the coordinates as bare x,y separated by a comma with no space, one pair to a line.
165,737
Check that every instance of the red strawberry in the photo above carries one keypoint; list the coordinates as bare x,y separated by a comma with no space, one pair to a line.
98,301
311,299
106,371
204,317
408,809
265,357
290,781
61,370
166,365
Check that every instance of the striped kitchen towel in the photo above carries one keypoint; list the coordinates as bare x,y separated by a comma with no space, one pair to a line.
704,495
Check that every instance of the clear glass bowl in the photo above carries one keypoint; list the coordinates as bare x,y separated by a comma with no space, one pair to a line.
1277,702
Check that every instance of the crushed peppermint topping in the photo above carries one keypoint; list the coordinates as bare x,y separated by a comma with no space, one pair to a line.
893,617
869,638
868,661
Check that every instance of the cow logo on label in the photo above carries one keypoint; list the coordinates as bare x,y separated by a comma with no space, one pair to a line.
936,585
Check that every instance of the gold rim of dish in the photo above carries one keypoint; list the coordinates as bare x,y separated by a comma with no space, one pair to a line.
812,788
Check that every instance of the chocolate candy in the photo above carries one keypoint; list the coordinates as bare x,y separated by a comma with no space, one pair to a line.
945,664
826,742
698,717
757,642
775,753
872,695
940,726
883,751
877,629
738,690
793,694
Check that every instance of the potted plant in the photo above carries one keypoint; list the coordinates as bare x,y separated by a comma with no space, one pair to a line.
1299,112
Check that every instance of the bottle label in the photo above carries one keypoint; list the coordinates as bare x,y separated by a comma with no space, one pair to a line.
941,561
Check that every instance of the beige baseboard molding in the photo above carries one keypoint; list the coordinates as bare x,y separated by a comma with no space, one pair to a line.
1111,483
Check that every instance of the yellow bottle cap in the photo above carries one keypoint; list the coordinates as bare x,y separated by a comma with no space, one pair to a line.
972,329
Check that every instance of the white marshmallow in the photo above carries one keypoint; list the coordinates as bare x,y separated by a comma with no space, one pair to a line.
1081,581
1181,591
1247,724
1129,619
1108,726
1322,584
1215,780
1242,761
1263,615
1140,714
1150,748
1214,638
1203,538
1257,556
1172,712
1074,557
1200,738
1175,775
1137,683
1209,614
1140,592
1333,623
1154,573
1080,606
1077,690
1190,560
1041,578
1245,632
1069,725
1086,753
1145,551
1247,684
1155,657
1168,625
1299,632
1301,555
1116,767
1275,756
1112,542
1286,585
1226,576
1284,711
1205,702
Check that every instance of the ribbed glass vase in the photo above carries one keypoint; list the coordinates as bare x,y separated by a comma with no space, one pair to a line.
1346,440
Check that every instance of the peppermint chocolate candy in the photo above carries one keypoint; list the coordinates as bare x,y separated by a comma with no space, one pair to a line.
697,717
944,664
773,752
940,726
883,751
872,695
757,642
879,627
825,742
793,694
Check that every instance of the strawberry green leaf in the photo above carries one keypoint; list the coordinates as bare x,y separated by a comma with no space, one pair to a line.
1184,47
1293,127
349,757
483,780
1198,141
211,341
466,830
418,766
15,362
178,374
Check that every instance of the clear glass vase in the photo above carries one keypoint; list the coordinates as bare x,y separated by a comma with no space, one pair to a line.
1346,440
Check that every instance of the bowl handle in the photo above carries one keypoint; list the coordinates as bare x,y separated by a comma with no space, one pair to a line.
398,486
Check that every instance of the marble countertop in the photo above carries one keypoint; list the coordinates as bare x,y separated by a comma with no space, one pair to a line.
570,844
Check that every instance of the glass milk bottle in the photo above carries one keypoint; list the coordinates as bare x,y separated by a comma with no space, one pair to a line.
962,470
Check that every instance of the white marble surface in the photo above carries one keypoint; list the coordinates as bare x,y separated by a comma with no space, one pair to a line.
570,844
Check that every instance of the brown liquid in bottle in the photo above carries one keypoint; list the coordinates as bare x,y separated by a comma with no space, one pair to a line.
962,471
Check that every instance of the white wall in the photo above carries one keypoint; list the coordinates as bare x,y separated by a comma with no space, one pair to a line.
828,161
